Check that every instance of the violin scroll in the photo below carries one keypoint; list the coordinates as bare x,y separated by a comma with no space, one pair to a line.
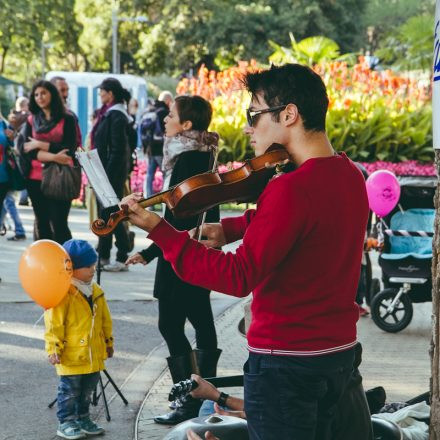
101,228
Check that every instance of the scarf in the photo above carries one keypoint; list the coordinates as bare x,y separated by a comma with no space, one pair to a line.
189,140
100,116
41,125
84,288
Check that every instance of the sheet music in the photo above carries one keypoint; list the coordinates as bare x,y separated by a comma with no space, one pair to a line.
92,166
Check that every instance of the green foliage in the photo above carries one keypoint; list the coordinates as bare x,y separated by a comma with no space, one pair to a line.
219,33
157,84
369,131
6,100
382,17
409,47
228,121
310,51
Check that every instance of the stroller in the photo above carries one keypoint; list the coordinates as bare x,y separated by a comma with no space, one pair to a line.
406,255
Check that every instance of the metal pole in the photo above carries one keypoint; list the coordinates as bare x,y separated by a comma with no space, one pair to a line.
43,59
115,63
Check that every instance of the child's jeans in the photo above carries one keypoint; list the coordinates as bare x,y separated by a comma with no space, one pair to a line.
74,396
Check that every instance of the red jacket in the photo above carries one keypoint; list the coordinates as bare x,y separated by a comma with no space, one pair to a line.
300,256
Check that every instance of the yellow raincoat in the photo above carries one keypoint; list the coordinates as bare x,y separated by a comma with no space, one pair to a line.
77,335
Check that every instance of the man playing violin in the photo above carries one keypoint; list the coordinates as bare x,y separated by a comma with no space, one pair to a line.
300,257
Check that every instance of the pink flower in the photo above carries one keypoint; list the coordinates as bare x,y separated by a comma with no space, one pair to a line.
405,168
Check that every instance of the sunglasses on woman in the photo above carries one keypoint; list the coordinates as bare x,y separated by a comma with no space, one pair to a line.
252,115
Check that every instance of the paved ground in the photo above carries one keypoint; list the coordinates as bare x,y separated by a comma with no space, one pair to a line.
399,362
28,383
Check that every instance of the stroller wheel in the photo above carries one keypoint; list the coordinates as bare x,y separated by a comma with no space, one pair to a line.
395,320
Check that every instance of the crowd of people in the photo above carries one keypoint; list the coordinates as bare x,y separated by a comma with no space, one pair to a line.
41,130
301,377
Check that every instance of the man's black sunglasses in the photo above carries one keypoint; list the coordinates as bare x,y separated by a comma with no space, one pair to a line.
251,115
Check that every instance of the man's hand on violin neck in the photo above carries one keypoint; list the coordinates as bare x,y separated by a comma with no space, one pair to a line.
212,235
137,215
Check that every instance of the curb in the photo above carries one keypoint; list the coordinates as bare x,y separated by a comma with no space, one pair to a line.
231,362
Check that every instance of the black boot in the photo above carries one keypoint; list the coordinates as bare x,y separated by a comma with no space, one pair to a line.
181,368
207,361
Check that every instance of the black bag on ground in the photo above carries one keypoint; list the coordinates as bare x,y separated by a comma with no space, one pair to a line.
61,182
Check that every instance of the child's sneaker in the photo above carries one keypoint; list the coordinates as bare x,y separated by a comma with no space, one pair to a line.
70,430
89,427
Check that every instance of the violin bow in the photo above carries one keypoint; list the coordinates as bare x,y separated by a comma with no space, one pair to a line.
202,217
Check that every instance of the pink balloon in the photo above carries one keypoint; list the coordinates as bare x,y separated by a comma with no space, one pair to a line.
383,191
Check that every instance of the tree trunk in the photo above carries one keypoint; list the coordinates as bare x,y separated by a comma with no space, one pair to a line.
3,63
434,431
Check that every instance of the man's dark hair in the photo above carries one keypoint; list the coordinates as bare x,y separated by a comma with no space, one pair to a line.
57,78
57,108
292,84
194,109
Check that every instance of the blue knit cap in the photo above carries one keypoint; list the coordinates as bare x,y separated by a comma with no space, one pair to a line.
81,253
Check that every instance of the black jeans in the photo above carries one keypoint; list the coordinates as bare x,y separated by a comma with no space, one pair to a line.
4,188
195,305
50,215
122,241
294,398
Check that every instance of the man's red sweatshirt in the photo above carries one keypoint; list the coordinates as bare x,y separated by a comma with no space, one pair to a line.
300,256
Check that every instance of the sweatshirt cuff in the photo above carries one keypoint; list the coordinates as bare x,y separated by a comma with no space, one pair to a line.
233,228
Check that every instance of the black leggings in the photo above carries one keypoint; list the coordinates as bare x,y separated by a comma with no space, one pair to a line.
194,303
50,215
4,188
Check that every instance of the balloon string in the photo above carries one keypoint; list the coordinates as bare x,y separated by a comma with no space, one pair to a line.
38,320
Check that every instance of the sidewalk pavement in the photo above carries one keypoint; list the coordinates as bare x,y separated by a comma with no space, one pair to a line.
398,362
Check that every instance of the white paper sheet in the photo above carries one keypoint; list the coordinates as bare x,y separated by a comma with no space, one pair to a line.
92,166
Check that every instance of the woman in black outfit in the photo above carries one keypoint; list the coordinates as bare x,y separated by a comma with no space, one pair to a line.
188,150
110,138
48,135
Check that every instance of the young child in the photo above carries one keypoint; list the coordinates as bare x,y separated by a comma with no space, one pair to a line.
78,339
188,150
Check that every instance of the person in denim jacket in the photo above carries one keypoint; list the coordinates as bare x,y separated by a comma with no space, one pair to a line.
78,339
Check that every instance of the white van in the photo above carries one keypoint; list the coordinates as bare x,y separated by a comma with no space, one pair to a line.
84,96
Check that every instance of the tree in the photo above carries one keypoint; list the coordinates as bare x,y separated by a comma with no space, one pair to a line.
409,46
381,17
218,33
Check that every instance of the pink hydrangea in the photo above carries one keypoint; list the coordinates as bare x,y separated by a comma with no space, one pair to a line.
138,177
405,168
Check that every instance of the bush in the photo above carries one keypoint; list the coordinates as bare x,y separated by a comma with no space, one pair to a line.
372,115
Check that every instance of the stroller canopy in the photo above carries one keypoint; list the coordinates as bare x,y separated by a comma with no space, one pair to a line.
417,247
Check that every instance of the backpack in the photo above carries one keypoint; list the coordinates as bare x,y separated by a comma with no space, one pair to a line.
151,130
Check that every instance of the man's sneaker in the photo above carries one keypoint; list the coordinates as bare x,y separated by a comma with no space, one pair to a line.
117,266
90,428
17,238
71,430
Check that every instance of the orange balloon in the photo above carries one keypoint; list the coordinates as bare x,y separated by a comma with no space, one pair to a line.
45,272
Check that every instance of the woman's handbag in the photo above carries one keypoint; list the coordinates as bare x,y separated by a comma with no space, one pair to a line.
61,182
16,179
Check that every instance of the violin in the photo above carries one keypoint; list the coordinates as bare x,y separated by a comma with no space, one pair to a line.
202,192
